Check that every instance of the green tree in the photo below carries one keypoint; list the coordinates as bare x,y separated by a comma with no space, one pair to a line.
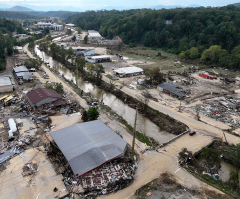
70,53
182,55
68,32
93,113
48,85
85,116
20,30
85,39
79,30
193,53
32,63
74,38
59,87
213,54
80,62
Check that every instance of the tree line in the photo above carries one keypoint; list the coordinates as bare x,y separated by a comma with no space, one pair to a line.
190,32
7,41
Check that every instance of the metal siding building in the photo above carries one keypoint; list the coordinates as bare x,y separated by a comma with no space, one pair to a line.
42,96
88,145
133,70
5,84
171,89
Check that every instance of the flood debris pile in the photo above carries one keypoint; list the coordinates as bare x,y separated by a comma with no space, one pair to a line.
29,169
13,147
166,186
110,177
93,159
221,109
208,166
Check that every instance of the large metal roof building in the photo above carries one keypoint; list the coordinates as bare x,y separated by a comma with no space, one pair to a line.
88,145
132,70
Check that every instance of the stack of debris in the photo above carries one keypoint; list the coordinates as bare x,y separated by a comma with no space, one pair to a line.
12,147
29,169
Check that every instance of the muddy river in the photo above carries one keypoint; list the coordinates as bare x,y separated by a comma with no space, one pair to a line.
144,125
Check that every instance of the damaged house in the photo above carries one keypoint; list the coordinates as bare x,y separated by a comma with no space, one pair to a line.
88,145
42,96
172,89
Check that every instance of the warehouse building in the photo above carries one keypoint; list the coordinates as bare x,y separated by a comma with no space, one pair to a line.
49,25
42,96
5,84
98,59
70,25
19,49
83,51
21,72
172,89
128,71
92,34
88,145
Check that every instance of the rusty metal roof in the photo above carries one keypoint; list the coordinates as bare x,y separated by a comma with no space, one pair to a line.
42,93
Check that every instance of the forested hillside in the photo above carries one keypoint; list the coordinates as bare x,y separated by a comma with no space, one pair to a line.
191,33
7,41
17,15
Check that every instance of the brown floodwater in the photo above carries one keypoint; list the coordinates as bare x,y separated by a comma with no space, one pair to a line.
143,124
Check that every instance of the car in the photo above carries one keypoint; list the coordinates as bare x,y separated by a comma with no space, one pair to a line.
192,133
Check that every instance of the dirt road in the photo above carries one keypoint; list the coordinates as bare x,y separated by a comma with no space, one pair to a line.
153,163
55,78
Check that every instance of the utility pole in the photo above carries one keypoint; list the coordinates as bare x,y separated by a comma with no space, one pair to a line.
134,135
225,137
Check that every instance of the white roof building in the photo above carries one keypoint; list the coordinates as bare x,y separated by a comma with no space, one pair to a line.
49,25
98,59
132,70
18,48
92,34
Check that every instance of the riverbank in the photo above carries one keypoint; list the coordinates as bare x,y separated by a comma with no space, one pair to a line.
163,121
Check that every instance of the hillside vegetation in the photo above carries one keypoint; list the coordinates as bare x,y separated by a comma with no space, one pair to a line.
211,34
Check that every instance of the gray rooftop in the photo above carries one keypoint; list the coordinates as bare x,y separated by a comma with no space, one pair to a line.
20,69
88,145
175,89
5,81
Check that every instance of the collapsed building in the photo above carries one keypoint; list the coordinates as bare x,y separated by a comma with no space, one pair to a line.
96,156
88,145
42,96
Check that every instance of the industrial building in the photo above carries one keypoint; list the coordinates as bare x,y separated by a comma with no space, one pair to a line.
19,49
49,25
21,72
172,89
92,34
70,25
88,145
128,71
42,96
5,84
83,51
98,59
